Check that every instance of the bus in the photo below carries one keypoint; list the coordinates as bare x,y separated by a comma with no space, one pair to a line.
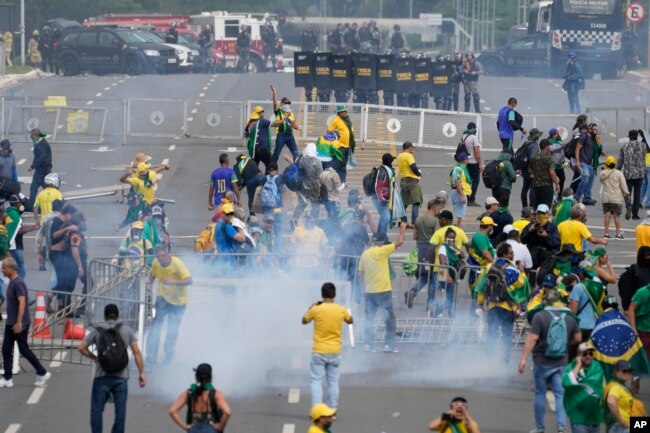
591,28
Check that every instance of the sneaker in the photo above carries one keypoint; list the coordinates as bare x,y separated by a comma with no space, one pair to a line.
40,380
537,431
589,202
561,430
390,349
4,383
606,235
628,213
473,204
620,236
550,400
636,218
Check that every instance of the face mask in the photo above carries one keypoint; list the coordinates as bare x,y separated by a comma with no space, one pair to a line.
542,218
286,107
450,241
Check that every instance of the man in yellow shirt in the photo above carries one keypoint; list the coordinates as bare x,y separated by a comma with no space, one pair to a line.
328,318
143,179
575,232
310,244
527,216
173,279
374,271
619,399
44,199
322,418
410,180
343,124
642,232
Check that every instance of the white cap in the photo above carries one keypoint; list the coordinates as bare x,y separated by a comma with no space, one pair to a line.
490,201
508,228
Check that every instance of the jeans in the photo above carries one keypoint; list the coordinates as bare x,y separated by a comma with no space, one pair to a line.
66,274
325,364
174,315
574,102
581,428
586,181
645,191
384,302
617,428
460,208
503,320
277,228
415,212
349,266
634,187
251,186
202,427
38,181
8,350
476,178
19,258
384,217
448,288
543,377
103,387
544,195
281,140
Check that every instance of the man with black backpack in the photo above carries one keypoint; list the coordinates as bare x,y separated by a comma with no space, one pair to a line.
521,163
112,339
509,121
552,330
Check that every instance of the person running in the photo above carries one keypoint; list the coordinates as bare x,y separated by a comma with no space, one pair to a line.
222,180
107,384
143,179
474,165
455,420
375,274
207,408
409,180
328,318
285,135
173,279
322,418
615,193
17,327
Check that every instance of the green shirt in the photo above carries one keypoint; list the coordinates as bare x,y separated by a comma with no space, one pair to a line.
642,300
480,242
285,127
562,210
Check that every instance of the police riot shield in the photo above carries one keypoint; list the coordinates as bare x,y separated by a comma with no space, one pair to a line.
322,70
441,78
423,82
365,71
385,73
303,69
341,72
404,75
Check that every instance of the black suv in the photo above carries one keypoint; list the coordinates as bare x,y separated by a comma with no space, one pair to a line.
103,50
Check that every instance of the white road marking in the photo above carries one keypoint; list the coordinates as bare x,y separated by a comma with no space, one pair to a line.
201,95
294,395
36,395
59,127
90,102
296,362
205,87
172,147
21,161
97,95
612,134
209,84
106,89
13,428
120,81
197,103
113,84
556,84
194,111
482,101
487,108
165,161
58,357
189,119
177,138
289,428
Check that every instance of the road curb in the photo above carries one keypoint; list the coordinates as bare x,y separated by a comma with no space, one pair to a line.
13,79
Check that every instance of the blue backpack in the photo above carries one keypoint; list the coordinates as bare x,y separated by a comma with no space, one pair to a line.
269,193
557,339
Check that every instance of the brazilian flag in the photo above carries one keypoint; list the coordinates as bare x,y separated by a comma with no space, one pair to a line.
328,145
596,294
517,283
536,302
614,340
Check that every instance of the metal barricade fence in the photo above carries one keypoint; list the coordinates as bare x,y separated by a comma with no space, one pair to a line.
616,122
215,119
156,118
388,125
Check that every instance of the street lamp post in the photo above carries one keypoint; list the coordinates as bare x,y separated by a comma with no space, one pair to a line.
22,31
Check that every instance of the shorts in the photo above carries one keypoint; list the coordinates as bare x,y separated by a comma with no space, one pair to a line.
613,208
459,207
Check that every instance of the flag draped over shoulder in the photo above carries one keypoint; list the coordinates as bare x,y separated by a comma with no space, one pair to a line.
596,294
614,339
517,284
582,397
328,145
536,302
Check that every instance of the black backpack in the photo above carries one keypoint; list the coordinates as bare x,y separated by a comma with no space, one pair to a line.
521,161
462,147
570,147
369,181
492,176
216,412
112,352
496,290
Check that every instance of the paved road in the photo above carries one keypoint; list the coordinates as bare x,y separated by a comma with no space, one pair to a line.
380,393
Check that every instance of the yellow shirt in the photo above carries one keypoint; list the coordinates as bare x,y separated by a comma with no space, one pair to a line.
148,194
44,201
624,400
573,232
374,265
328,320
337,123
457,173
642,235
308,245
175,295
404,161
438,239
315,429
521,225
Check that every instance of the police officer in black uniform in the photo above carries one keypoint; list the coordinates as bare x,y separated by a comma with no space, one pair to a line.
269,38
397,40
171,37
45,47
308,40
243,47
389,95
456,79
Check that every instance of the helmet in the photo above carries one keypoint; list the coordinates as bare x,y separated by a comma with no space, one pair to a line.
156,211
35,33
52,179
446,58
572,54
469,53
440,58
46,29
388,52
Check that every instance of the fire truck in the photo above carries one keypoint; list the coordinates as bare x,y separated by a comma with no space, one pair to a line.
226,28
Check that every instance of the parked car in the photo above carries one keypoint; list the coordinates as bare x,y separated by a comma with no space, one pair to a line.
525,56
102,50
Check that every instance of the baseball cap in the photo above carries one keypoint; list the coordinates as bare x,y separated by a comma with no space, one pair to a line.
111,310
549,280
137,225
320,410
462,156
37,132
509,228
553,131
285,100
14,199
488,221
622,365
490,201
534,132
583,347
340,108
228,208
542,208
611,160
5,144
156,211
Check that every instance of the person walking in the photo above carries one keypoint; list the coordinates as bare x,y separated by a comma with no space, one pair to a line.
15,231
574,81
548,341
425,226
575,232
509,121
208,410
17,327
409,180
222,180
111,375
384,190
8,39
41,164
456,419
285,135
343,125
582,162
532,150
557,154
619,399
328,318
508,176
615,193
475,165
374,271
35,58
171,297
461,188
631,161
544,177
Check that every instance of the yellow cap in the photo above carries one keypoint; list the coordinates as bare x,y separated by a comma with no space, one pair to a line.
487,221
137,225
610,160
228,208
142,167
320,410
256,112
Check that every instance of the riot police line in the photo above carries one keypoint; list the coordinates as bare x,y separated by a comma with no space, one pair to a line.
405,80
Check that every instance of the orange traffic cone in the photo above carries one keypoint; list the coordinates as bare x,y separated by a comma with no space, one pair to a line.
72,331
40,330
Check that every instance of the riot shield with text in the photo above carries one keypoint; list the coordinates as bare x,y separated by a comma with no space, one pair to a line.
322,70
441,78
404,74
365,71
423,82
303,69
341,72
385,73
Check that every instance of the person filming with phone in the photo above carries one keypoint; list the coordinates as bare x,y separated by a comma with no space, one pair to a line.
456,419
